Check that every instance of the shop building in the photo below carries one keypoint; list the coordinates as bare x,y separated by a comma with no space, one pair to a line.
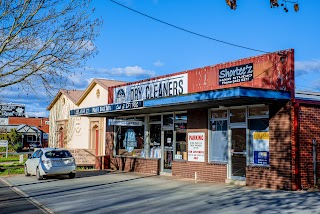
237,122
81,135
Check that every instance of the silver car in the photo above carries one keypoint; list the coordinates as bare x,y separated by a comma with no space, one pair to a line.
50,161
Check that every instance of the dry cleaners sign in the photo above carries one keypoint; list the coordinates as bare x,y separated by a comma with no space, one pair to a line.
157,88
236,74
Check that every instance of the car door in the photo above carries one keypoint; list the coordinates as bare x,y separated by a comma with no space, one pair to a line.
33,162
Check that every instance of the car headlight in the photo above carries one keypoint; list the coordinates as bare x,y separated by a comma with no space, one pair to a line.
69,161
72,160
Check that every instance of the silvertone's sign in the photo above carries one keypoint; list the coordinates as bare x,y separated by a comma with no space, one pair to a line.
119,122
107,108
236,74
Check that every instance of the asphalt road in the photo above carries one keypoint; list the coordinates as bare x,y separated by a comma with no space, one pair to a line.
105,192
13,202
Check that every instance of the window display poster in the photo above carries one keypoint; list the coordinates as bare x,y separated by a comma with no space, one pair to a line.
196,146
261,148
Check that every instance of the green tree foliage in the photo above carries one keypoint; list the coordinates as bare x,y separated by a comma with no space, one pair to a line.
13,138
273,4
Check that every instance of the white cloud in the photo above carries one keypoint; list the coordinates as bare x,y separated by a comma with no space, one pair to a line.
134,71
129,71
37,114
305,67
83,77
87,45
158,63
37,103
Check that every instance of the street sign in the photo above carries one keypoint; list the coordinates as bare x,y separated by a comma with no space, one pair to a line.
4,143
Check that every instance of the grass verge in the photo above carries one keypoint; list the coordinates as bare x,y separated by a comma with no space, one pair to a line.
11,158
12,169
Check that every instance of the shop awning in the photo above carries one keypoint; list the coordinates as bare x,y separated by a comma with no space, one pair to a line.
208,99
230,96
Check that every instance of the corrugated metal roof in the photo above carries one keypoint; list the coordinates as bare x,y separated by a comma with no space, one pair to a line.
307,95
20,128
73,95
104,83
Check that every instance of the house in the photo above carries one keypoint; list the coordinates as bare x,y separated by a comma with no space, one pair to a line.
81,135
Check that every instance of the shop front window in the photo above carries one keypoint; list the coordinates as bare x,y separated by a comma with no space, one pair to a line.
255,111
155,118
238,115
168,120
259,141
130,141
221,114
218,144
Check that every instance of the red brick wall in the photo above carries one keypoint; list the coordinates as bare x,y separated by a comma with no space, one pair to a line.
198,122
205,171
37,122
259,176
309,129
279,174
134,164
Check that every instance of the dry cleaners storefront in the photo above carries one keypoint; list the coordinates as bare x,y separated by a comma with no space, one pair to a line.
227,122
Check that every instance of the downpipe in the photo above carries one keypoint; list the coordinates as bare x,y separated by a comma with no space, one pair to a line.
314,155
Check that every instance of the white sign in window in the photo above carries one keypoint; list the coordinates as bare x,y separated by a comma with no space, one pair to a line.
196,146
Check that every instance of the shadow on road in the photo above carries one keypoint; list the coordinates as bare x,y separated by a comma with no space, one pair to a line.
158,194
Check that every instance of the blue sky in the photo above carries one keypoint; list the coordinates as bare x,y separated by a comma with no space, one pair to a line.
133,47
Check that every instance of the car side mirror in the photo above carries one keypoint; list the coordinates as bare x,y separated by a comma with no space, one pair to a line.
29,156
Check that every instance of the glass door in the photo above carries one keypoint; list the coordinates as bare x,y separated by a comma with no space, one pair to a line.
155,141
167,150
238,153
167,142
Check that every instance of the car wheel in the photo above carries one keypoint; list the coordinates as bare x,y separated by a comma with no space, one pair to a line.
39,177
26,173
72,175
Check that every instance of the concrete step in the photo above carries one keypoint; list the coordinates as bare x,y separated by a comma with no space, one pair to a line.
236,182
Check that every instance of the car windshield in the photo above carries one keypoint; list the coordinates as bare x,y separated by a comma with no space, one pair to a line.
58,154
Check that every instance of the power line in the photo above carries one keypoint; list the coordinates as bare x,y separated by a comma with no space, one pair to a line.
188,31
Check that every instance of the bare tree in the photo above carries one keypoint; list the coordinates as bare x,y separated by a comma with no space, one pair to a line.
43,41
